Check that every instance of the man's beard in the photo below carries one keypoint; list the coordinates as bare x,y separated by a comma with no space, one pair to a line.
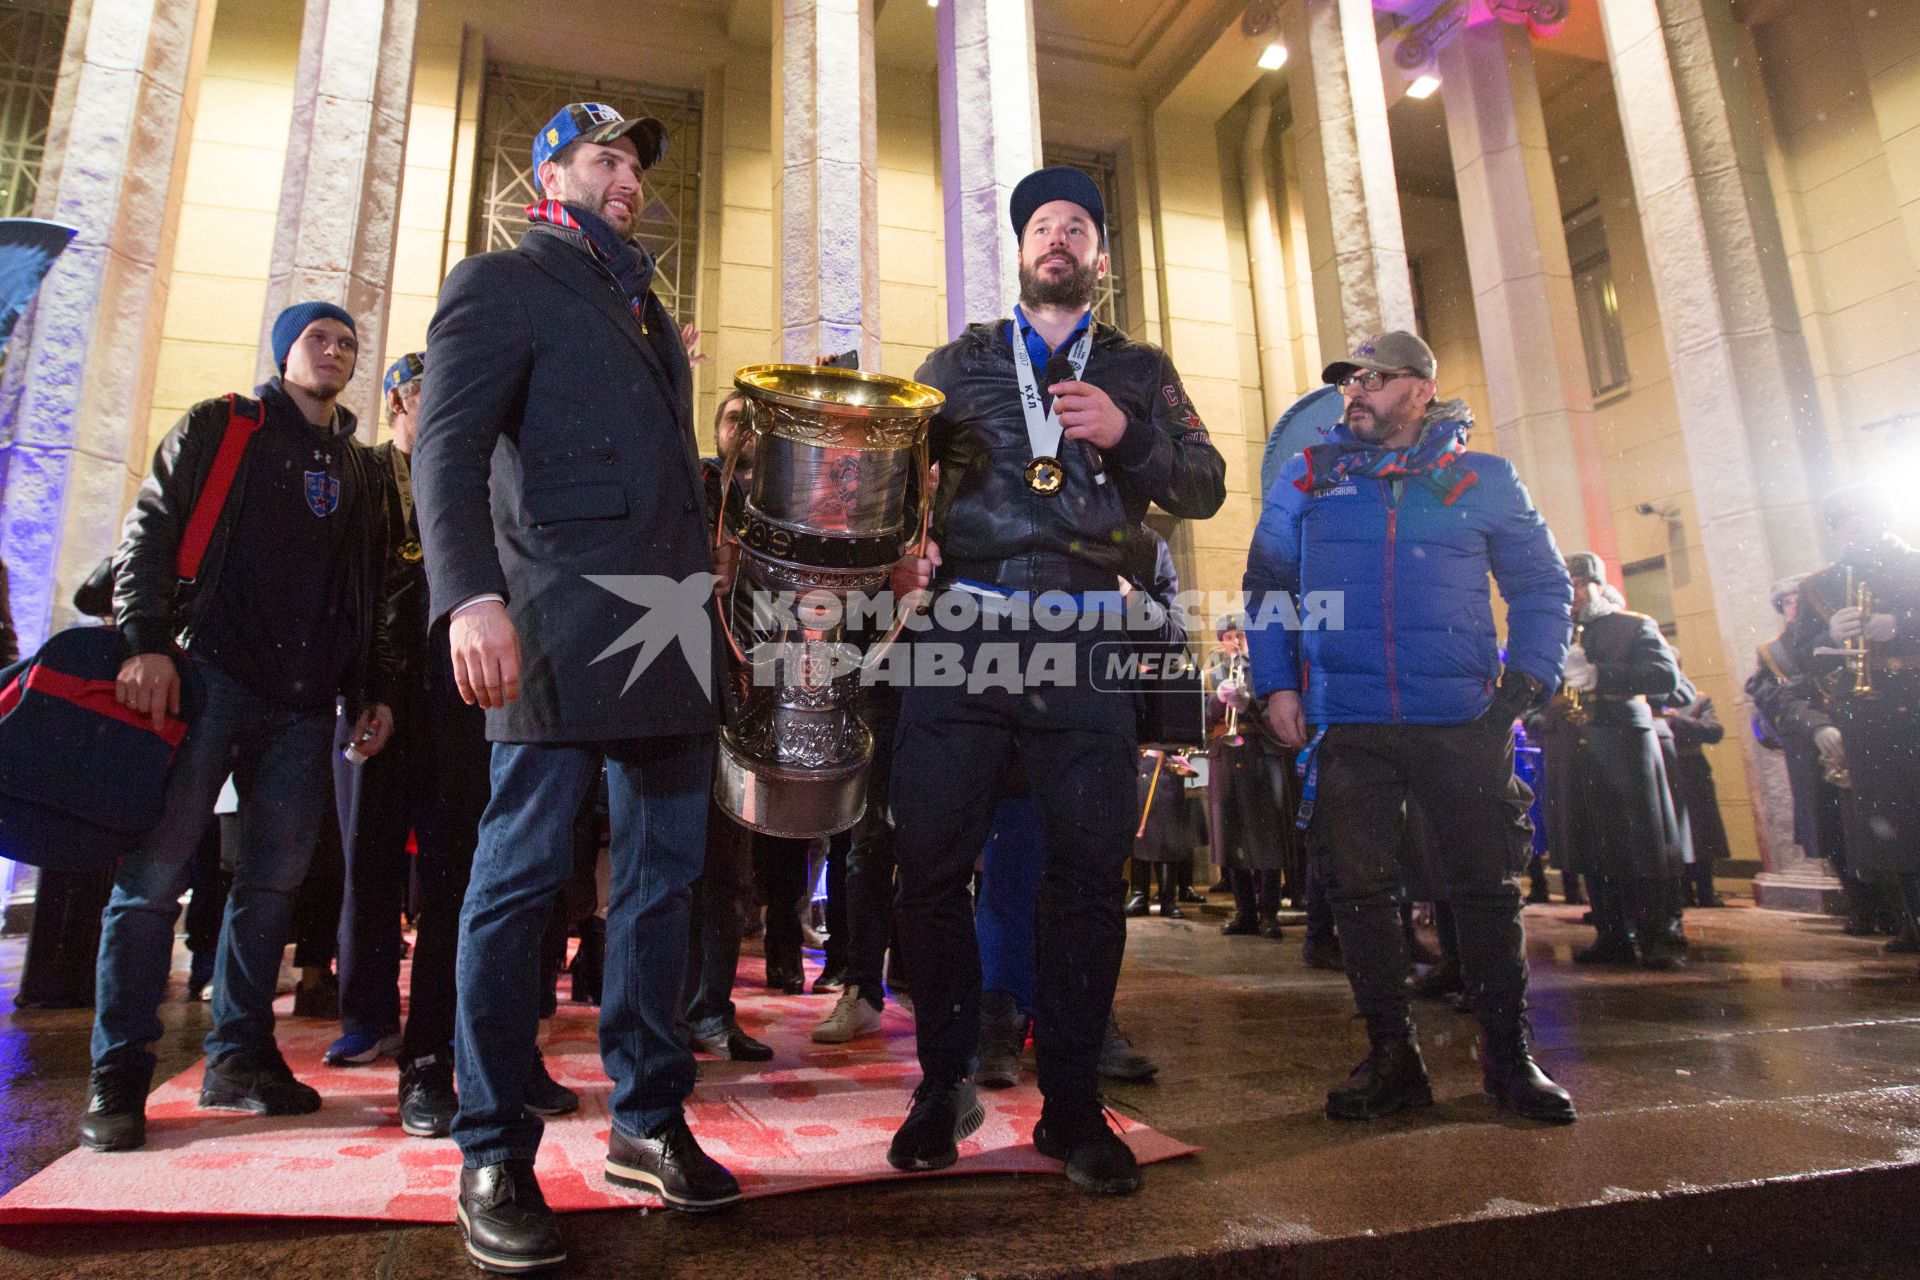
1073,291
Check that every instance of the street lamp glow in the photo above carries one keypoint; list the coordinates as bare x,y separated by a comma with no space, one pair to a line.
1424,87
1273,57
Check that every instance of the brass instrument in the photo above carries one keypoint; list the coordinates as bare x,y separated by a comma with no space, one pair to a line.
1231,689
1858,656
1573,702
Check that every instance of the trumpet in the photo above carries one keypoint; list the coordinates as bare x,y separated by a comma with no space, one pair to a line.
1858,656
1573,702
1232,692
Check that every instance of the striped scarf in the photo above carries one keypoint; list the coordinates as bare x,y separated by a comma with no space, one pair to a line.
1429,459
627,266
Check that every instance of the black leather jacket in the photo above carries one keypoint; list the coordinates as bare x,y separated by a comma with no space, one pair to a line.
155,609
992,528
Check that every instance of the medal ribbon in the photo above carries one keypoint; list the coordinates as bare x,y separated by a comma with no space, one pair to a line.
1044,430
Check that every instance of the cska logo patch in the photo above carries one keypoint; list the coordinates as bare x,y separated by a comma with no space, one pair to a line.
1173,396
323,492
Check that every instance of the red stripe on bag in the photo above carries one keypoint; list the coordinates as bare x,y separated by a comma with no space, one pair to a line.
98,697
10,696
213,497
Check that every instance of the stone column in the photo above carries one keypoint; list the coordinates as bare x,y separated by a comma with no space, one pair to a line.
73,412
340,193
1360,280
1742,376
989,140
826,195
1530,339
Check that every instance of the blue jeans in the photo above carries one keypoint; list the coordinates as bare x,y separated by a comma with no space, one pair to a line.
279,761
657,788
1011,865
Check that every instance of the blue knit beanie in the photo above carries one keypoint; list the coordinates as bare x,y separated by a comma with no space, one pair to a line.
291,323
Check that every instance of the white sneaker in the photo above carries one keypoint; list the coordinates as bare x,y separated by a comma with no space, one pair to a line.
852,1017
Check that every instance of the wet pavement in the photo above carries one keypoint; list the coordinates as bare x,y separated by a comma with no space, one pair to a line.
1755,1114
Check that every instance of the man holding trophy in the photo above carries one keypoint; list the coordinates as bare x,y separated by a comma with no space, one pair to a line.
1056,433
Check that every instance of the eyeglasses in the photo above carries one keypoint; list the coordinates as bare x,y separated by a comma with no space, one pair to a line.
1368,380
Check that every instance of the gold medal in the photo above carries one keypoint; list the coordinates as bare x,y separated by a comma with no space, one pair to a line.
411,551
1045,476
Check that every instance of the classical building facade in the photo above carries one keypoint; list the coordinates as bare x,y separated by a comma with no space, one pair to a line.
1666,249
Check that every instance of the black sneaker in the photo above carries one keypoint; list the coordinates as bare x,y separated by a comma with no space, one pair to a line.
1392,1078
943,1112
546,1096
830,982
669,1163
256,1080
1096,1158
505,1220
1241,925
1318,953
427,1098
116,1118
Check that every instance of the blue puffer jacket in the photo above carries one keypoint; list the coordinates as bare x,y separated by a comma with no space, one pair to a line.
1408,635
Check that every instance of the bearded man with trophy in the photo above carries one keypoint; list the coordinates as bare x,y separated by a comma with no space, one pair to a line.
1056,434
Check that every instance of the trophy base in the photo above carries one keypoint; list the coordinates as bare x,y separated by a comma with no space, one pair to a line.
780,800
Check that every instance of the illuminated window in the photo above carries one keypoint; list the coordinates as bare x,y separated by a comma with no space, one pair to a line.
1649,590
1596,301
518,100
1110,299
31,35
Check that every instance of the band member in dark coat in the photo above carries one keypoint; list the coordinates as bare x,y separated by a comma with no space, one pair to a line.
1696,801
1252,793
1607,802
1858,632
1791,717
560,504
1163,841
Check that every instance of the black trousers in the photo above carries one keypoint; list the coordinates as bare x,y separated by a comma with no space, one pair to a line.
713,943
1462,776
780,867
870,857
432,780
1078,745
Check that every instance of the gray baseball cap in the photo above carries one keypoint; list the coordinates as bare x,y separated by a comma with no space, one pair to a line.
1389,352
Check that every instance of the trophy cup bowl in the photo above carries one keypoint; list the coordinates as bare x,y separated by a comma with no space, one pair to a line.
824,520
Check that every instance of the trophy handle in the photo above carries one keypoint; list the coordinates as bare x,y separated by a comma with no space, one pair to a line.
923,461
720,533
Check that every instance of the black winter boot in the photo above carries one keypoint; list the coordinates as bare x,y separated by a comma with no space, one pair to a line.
1513,1080
1391,1078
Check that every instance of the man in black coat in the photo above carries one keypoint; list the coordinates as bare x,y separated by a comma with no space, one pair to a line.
1608,805
1056,434
560,506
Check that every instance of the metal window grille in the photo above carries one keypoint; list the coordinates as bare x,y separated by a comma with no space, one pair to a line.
32,33
517,101
1110,297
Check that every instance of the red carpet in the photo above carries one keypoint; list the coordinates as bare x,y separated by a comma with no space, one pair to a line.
816,1116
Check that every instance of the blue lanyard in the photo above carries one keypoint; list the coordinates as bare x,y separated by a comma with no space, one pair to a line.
1306,767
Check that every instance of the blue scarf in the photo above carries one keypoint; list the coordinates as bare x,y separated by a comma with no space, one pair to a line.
1430,459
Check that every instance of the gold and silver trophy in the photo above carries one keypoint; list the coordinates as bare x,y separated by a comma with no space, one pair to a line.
835,454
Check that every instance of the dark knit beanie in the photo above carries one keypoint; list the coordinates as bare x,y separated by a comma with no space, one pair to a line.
291,323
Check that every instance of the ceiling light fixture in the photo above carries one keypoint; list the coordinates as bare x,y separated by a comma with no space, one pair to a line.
1273,57
1424,87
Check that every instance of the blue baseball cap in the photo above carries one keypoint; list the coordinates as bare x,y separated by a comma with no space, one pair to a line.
597,122
410,367
1060,182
